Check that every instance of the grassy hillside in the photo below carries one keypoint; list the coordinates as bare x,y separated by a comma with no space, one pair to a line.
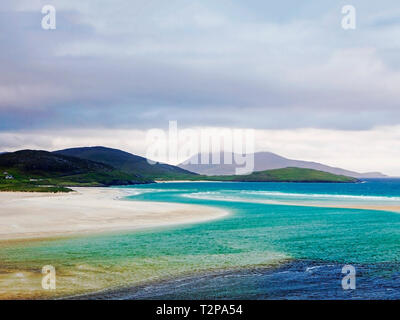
128,163
289,175
45,171
281,175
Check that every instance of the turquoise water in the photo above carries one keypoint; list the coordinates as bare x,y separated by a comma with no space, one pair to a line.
258,234
300,232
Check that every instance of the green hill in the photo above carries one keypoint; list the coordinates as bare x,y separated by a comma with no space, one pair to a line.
285,175
128,163
31,170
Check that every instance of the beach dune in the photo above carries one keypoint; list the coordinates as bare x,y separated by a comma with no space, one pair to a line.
89,210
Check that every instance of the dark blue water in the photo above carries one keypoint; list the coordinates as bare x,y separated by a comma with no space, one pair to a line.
292,281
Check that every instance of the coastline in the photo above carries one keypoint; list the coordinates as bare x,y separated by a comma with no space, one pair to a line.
90,210
126,263
380,207
114,269
27,215
395,208
390,208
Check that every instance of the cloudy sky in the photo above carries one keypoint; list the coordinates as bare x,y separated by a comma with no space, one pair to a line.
113,69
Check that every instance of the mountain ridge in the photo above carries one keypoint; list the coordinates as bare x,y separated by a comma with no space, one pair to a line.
43,171
126,162
35,170
269,161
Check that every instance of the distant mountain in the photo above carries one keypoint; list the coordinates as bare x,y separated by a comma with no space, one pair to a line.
34,167
268,161
128,162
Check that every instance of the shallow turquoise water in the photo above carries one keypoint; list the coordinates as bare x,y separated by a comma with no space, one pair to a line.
332,234
254,235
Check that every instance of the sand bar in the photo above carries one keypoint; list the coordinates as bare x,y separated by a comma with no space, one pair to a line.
389,207
377,207
348,205
89,210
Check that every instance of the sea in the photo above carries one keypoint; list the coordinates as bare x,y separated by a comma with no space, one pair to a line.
279,241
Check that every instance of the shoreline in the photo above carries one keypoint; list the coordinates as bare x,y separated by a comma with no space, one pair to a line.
104,210
377,207
389,208
27,215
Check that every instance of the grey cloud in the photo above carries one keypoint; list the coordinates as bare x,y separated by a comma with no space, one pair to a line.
134,65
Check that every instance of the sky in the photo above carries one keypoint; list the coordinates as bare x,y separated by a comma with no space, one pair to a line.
110,71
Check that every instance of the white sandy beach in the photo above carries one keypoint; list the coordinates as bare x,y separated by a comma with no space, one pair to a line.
89,210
